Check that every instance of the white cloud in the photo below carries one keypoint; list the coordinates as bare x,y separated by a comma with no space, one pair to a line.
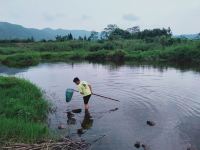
130,17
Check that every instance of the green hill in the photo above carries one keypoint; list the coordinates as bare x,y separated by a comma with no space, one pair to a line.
13,31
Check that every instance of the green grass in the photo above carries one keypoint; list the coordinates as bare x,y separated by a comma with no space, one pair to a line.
16,130
21,60
28,54
23,111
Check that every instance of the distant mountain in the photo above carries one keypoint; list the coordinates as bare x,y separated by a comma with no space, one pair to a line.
13,31
189,36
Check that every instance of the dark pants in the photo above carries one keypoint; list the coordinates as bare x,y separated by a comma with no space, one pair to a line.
86,99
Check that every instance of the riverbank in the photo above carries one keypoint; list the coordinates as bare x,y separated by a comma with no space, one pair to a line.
29,54
23,111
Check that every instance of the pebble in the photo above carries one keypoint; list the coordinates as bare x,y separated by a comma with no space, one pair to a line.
137,145
114,109
77,110
61,126
80,131
151,123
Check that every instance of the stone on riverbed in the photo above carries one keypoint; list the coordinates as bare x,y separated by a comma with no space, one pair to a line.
137,144
151,123
61,126
76,110
80,131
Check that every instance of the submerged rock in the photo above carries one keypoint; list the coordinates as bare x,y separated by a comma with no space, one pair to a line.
151,123
61,126
137,144
80,131
77,110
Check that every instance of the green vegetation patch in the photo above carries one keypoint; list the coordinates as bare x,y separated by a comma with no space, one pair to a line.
157,48
21,60
23,111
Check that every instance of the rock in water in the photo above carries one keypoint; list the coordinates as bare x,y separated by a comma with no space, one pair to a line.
137,145
77,110
61,126
151,123
80,131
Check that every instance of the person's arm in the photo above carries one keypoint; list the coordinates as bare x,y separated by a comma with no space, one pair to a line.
90,88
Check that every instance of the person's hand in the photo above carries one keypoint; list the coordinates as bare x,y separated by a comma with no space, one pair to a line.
82,93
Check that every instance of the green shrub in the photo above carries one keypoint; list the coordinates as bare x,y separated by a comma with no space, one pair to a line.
50,46
23,111
108,46
21,60
97,56
95,47
118,55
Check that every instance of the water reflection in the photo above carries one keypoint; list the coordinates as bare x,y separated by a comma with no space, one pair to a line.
87,121
11,71
86,124
70,119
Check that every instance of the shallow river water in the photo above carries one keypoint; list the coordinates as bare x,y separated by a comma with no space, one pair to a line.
169,97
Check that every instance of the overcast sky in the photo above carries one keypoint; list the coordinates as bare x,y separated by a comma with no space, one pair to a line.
183,16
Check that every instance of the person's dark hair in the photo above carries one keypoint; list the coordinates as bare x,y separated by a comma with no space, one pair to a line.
76,80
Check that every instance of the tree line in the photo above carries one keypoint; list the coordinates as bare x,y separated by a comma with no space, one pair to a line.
111,32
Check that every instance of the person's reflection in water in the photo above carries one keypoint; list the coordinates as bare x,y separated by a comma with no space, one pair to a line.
86,123
70,119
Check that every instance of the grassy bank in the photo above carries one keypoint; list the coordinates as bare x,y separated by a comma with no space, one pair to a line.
23,111
27,54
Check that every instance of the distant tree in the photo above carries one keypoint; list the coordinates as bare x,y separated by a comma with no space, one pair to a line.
119,34
31,39
165,41
198,36
70,37
58,38
80,38
104,35
94,36
169,31
85,38
154,33
43,40
134,29
108,30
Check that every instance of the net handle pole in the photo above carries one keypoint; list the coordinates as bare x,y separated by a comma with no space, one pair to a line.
102,96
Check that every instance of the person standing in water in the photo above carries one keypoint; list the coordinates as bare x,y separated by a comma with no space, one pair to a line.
85,89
